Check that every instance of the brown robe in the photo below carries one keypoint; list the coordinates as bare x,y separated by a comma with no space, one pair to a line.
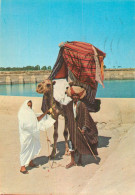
84,121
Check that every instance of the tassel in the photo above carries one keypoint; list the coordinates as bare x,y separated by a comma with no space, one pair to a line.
101,65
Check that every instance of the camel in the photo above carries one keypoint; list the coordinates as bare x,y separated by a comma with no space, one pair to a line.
46,88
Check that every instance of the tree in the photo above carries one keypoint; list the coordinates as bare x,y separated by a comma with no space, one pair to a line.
2,68
44,68
8,68
49,68
37,67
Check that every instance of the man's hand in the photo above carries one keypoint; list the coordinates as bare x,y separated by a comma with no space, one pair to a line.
82,131
51,111
48,112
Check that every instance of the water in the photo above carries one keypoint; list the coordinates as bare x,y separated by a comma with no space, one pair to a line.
117,89
113,89
20,90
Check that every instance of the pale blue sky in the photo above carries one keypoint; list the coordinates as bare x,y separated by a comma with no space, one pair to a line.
30,30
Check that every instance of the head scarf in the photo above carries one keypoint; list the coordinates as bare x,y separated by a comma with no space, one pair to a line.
76,90
27,118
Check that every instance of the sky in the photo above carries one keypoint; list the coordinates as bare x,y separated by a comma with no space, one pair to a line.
30,30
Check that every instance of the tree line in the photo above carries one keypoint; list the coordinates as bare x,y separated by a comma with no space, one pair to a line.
37,67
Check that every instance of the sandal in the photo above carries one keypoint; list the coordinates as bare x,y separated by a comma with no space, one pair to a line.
70,165
24,172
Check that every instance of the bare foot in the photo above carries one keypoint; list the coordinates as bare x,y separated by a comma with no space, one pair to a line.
71,164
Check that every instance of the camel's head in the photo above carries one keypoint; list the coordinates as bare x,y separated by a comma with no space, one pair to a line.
45,86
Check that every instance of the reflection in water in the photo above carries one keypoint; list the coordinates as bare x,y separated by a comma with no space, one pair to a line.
21,89
113,89
33,87
8,89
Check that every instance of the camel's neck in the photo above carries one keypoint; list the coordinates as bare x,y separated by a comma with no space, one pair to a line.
48,100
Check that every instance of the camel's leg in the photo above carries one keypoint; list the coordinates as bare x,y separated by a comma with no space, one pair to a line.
66,138
55,137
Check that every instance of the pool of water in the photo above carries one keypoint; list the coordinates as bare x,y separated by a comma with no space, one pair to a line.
117,89
113,89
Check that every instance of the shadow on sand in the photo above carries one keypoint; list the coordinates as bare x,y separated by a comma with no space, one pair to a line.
86,159
89,159
103,141
42,160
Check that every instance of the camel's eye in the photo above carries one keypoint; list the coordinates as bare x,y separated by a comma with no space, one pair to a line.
48,85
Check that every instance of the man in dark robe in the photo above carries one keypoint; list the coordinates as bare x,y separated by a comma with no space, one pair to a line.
82,129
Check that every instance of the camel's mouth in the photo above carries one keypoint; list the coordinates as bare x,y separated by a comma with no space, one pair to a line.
40,88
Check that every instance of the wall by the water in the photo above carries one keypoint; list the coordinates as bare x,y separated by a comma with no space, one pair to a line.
14,77
119,74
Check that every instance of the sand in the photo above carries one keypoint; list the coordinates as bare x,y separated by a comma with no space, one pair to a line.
112,174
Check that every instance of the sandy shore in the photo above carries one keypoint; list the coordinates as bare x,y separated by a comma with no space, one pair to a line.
112,174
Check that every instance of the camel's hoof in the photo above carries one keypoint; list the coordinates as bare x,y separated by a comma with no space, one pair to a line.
67,153
52,156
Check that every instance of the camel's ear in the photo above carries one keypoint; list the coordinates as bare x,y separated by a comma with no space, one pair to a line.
53,82
71,84
66,90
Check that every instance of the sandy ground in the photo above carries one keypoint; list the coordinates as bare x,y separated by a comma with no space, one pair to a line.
112,174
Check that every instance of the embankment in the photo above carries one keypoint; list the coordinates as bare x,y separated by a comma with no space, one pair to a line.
13,77
120,74
19,77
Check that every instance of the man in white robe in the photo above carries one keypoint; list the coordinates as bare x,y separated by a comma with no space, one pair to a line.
29,135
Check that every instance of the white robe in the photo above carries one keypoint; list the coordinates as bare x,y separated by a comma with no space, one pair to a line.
59,91
29,134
